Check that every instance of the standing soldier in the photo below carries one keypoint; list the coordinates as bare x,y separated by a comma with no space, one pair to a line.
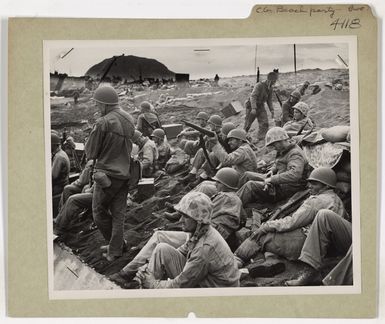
255,105
110,144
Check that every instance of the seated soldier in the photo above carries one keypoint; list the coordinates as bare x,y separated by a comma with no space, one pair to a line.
147,154
78,185
147,120
286,236
60,165
328,229
287,107
200,258
300,123
202,119
73,206
164,150
242,157
287,176
225,219
215,124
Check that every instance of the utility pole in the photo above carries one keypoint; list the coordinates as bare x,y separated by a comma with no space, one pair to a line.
295,66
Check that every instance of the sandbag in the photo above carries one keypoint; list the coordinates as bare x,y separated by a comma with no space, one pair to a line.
177,161
335,134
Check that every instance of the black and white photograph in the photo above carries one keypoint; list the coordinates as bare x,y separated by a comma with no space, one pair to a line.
212,167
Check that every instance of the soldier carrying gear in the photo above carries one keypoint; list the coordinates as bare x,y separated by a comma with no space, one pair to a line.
255,105
110,145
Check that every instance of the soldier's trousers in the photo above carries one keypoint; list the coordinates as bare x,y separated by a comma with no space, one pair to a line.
327,229
72,207
261,116
172,238
109,209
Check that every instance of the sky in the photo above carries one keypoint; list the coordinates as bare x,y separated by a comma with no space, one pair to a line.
225,60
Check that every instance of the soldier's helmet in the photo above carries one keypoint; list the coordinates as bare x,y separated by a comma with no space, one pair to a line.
227,127
145,106
136,136
324,175
55,139
238,133
275,134
296,94
203,115
159,133
215,120
196,205
227,176
272,76
302,107
106,95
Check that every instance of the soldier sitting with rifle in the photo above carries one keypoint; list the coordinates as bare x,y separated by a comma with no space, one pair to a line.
285,237
215,124
242,158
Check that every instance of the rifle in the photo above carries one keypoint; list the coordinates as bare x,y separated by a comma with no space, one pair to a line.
200,129
303,126
202,143
278,98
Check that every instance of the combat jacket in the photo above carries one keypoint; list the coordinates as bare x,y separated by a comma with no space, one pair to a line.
303,217
147,155
110,143
261,94
60,168
290,168
292,127
210,264
164,153
226,213
242,159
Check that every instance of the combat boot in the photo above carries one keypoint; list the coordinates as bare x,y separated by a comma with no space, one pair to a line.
308,276
266,269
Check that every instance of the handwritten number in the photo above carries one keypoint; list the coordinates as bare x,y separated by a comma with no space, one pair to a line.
346,23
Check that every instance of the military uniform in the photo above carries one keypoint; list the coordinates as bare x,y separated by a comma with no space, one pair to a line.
147,155
289,176
242,159
260,94
286,236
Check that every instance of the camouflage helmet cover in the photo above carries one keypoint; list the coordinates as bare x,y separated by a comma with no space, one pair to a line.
302,107
196,205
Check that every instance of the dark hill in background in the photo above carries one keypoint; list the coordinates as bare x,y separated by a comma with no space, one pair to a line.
131,68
